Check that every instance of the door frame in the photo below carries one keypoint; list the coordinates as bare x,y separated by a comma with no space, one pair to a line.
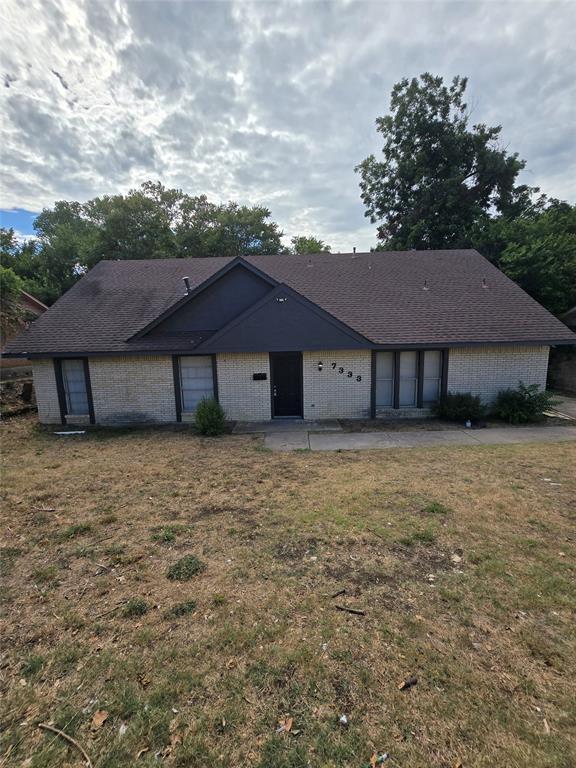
272,355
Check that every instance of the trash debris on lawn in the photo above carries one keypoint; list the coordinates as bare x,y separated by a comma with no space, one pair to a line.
378,759
343,720
65,434
285,726
408,683
122,729
456,559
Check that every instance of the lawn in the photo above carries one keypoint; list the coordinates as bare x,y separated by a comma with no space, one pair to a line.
169,600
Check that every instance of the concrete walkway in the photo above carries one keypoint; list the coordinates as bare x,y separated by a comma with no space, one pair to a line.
306,439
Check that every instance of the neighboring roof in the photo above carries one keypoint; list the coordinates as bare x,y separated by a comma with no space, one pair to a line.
569,318
393,298
32,303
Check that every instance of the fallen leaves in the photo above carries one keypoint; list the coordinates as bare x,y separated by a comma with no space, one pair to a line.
99,718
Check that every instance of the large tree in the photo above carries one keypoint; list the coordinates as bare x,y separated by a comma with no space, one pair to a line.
437,175
147,223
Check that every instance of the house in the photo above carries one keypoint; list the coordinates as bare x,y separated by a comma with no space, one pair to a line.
329,335
562,370
31,308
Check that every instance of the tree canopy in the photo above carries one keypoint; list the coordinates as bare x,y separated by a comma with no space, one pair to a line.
437,176
146,223
308,244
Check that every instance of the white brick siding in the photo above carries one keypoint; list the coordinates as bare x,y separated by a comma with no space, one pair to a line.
485,371
242,398
330,394
129,390
46,391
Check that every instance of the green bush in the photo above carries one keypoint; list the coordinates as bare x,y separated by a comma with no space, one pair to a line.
135,607
180,609
185,568
209,417
522,405
460,406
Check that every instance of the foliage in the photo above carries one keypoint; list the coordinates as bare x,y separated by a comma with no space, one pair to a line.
460,406
537,250
308,244
437,177
11,311
180,609
522,405
151,222
185,568
209,417
135,607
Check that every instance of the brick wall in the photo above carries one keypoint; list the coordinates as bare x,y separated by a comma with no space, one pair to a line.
485,371
242,398
128,390
330,394
46,392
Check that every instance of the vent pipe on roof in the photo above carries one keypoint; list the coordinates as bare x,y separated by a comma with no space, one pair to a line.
187,284
425,286
484,283
354,249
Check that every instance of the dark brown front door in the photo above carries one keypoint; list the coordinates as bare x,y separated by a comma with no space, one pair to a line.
286,379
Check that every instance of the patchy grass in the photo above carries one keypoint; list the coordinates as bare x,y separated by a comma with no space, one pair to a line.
462,559
185,568
135,607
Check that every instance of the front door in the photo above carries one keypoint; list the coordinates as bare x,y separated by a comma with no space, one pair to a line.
286,375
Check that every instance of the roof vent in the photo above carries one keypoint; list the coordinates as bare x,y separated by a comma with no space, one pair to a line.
309,263
187,284
484,283
425,286
354,249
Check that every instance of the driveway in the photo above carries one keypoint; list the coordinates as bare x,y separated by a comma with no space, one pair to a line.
287,439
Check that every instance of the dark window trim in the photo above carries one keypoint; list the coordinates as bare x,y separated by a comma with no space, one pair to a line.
373,385
444,375
420,378
62,390
396,394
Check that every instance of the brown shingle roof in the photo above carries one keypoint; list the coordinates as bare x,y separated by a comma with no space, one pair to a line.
391,298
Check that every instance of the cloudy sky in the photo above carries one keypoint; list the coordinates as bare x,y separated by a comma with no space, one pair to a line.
269,102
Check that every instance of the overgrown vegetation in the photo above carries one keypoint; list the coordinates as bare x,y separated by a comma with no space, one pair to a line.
522,405
479,598
209,417
460,406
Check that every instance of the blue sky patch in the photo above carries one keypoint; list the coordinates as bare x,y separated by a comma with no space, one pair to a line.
18,219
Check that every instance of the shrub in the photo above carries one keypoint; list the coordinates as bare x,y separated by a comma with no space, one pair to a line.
180,609
460,406
522,405
135,607
209,417
185,568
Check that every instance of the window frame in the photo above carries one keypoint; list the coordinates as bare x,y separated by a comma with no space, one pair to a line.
61,390
176,369
443,378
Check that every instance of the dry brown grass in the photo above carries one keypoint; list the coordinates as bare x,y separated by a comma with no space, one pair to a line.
91,523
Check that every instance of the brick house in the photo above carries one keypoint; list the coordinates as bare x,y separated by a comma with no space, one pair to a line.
322,336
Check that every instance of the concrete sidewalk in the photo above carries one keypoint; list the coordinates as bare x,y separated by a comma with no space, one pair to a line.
293,440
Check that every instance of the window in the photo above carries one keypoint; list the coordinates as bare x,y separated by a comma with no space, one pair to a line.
408,387
196,381
385,379
408,378
74,381
432,376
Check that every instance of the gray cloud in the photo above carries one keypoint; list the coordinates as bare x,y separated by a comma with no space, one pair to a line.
269,103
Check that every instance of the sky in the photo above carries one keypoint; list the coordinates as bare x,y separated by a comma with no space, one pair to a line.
267,103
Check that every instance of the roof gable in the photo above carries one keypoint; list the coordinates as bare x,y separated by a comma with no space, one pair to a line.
283,321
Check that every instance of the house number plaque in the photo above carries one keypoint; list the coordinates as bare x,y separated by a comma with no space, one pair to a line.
341,370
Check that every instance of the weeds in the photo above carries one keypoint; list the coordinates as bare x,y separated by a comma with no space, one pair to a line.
135,607
180,609
185,568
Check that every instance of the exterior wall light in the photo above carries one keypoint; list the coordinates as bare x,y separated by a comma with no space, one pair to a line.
320,365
